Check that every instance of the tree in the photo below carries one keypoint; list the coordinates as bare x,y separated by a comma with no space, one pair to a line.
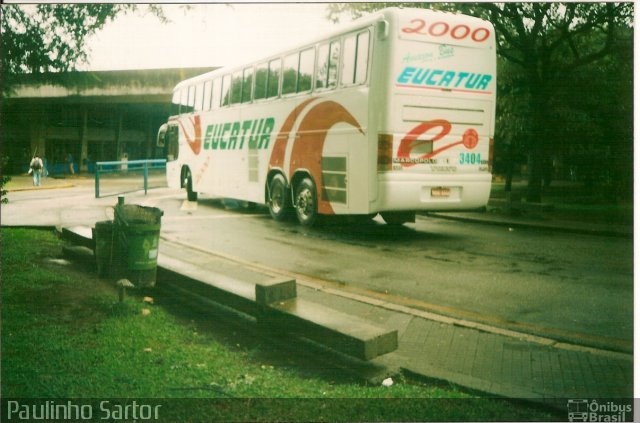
51,37
549,44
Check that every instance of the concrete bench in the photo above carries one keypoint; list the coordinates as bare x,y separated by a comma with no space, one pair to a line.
272,300
342,332
275,304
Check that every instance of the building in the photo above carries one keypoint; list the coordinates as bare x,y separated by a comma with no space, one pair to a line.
93,116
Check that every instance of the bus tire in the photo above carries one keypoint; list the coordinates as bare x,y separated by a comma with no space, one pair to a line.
278,198
305,202
191,195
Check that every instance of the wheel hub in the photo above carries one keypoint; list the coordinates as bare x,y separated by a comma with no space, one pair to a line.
304,202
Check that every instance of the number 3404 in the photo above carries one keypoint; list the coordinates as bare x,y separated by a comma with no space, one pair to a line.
469,158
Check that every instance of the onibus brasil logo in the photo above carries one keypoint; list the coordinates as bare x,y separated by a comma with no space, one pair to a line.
583,410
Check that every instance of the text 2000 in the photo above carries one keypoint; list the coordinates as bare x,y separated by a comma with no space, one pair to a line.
439,29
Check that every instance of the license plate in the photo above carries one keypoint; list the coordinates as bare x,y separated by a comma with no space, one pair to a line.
440,192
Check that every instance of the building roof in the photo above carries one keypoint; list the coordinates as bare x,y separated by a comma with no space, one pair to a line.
120,83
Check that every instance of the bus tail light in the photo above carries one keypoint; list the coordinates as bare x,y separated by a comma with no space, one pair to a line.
490,154
385,152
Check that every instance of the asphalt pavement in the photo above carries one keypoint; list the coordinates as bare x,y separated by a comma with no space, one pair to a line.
489,359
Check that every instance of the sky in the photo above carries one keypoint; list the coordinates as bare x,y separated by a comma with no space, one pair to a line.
204,35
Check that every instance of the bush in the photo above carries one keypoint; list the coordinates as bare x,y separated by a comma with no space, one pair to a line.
5,179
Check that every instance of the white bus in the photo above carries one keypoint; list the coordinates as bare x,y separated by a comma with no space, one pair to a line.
392,114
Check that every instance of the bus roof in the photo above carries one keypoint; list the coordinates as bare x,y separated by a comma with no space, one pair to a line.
391,14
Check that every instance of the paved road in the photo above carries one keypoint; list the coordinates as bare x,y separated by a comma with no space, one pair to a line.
570,287
565,286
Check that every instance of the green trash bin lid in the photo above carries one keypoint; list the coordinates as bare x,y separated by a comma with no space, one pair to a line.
133,214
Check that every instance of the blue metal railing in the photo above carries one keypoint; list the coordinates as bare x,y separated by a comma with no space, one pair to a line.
127,165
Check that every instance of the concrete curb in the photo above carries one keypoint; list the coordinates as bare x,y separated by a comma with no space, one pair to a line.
592,229
40,188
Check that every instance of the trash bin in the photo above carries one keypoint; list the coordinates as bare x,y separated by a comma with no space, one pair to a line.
137,238
103,246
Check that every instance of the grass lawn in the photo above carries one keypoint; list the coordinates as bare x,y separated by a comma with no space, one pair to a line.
66,336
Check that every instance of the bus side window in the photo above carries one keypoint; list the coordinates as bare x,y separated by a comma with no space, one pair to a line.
171,142
262,73
362,58
322,71
334,64
305,72
216,94
327,69
348,60
207,95
273,81
290,74
236,88
175,103
355,58
247,85
191,101
199,97
226,88
184,100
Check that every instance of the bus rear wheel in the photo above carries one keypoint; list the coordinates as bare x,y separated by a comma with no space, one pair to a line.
305,202
188,183
278,198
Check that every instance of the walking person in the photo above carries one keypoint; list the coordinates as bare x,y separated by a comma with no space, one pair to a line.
35,168
70,163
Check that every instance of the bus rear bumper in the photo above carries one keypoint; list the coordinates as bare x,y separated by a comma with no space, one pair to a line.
432,192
